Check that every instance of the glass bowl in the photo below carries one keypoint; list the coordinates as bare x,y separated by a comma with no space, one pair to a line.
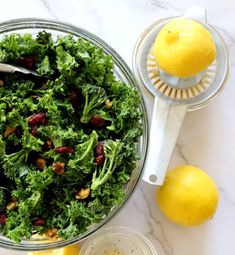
118,240
124,74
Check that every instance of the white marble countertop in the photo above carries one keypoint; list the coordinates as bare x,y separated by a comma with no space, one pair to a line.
207,138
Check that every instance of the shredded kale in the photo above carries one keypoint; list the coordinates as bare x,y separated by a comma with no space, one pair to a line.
75,129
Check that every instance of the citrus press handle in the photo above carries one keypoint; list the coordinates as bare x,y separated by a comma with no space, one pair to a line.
165,127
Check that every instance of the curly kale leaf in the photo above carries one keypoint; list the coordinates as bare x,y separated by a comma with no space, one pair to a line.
29,142
66,63
45,68
13,163
19,223
3,108
30,104
59,86
2,147
44,38
78,48
110,193
125,112
21,88
95,66
67,111
98,209
18,226
48,103
59,136
39,180
113,157
13,46
14,118
84,155
99,67
94,98
78,210
80,217
30,203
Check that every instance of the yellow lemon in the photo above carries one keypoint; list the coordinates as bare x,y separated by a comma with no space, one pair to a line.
184,48
73,249
68,250
188,196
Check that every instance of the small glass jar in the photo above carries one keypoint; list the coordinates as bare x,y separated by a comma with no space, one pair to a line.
118,241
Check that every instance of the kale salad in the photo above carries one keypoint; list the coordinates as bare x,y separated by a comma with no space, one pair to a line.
67,139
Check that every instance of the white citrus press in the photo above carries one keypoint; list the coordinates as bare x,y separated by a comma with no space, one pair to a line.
177,85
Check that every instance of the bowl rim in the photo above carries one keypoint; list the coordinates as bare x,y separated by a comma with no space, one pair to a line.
36,23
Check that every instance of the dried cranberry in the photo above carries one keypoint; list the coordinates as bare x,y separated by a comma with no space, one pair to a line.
43,119
99,149
64,149
3,218
99,160
28,61
37,118
97,121
39,222
34,119
34,131
74,98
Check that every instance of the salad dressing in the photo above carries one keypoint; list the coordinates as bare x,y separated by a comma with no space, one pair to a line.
113,251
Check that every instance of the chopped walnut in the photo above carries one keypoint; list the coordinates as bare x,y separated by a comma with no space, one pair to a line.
12,205
58,167
83,193
49,144
8,131
52,233
41,163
